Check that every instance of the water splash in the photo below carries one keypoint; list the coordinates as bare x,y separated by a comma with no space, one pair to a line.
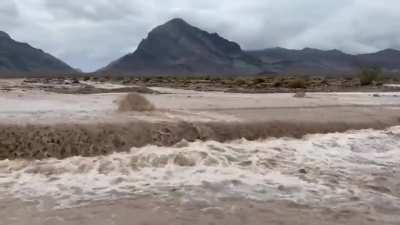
357,167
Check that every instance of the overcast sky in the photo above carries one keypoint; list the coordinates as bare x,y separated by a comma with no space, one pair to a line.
89,34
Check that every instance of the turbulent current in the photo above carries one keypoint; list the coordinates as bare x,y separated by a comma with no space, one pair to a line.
353,168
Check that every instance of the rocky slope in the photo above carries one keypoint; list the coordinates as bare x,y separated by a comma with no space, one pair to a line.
315,61
388,59
177,48
17,57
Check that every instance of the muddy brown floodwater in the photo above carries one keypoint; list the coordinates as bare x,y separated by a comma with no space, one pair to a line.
336,178
147,211
197,158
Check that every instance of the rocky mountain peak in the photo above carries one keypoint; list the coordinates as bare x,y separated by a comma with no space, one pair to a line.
4,35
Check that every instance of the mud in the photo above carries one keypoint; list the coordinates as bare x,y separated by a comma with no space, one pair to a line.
66,140
151,212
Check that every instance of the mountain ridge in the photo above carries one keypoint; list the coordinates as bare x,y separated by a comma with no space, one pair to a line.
312,60
19,57
178,48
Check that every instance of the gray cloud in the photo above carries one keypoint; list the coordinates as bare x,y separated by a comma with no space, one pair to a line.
89,34
8,14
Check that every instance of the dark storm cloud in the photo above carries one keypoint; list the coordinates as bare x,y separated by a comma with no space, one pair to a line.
90,33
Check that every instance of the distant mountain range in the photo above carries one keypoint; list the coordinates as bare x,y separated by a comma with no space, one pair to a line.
17,57
178,48
315,61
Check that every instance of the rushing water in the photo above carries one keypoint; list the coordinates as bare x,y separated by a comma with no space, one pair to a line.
356,167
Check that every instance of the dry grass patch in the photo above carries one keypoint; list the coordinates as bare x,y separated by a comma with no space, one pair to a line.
297,84
135,102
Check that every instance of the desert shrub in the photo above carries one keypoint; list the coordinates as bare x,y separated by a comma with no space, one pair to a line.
240,81
278,82
103,79
134,102
128,80
348,78
258,80
369,76
146,79
216,79
325,81
117,78
297,83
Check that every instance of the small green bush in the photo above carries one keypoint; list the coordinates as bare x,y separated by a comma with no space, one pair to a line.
370,76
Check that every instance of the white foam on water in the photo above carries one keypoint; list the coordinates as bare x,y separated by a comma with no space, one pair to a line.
317,169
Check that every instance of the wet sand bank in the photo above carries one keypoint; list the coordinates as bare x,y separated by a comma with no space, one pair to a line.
150,211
